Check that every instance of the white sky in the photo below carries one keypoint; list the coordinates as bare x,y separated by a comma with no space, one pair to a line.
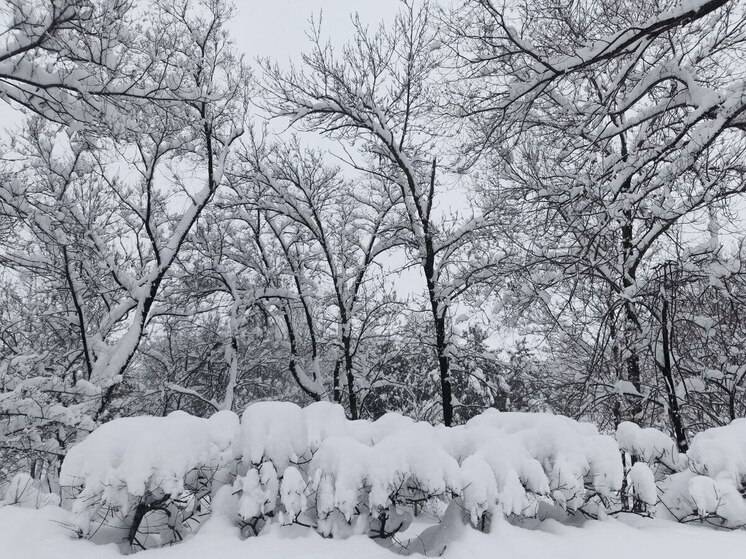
277,28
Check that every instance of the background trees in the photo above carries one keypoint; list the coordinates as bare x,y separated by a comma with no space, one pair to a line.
532,207
619,127
380,98
99,218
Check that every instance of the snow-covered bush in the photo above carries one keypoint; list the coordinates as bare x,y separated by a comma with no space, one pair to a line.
542,458
650,446
143,480
713,488
649,457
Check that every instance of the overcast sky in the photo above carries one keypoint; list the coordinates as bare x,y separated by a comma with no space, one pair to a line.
277,28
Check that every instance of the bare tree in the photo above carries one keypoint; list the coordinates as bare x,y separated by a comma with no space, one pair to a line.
615,123
380,97
308,203
86,63
103,217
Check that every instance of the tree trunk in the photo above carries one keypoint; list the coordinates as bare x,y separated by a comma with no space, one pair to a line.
336,386
631,321
441,351
349,373
674,411
444,365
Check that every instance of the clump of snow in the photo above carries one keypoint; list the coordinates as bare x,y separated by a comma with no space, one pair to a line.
649,445
703,491
259,489
413,457
274,431
706,497
713,485
140,453
292,495
479,487
721,452
339,471
642,482
324,420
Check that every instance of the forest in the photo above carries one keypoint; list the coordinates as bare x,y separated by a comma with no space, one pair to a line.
483,259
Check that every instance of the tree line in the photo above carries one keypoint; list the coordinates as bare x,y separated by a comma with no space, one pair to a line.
530,206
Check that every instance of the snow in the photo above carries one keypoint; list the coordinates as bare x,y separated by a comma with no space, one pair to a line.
282,465
523,456
642,481
259,489
721,452
687,495
292,494
569,452
140,453
712,484
703,491
324,420
130,457
24,491
416,453
479,487
649,445
273,431
610,538
339,470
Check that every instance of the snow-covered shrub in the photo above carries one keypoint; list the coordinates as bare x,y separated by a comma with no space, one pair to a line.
650,446
713,488
374,476
374,479
273,435
137,480
146,480
341,476
642,483
649,457
544,457
721,453
274,431
293,495
259,493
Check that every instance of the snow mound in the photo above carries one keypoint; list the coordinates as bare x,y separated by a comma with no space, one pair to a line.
548,454
643,485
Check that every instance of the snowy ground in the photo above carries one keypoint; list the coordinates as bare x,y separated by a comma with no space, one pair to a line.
40,534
